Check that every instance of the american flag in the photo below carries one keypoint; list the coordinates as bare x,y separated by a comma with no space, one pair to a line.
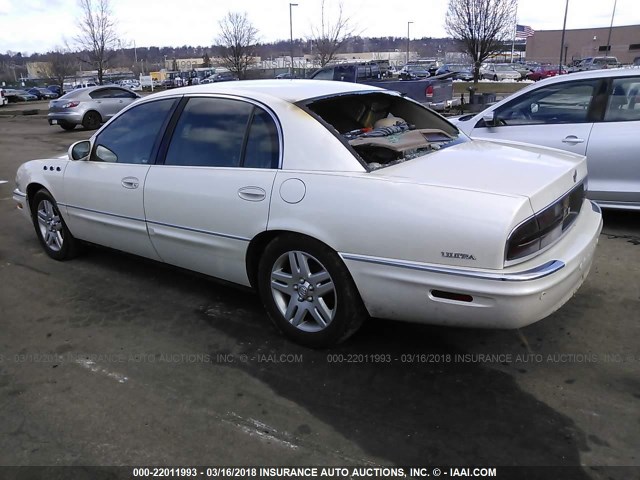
524,31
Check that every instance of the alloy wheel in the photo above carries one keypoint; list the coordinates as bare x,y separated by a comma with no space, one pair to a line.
50,225
303,291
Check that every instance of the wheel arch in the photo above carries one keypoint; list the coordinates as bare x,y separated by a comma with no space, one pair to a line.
32,189
93,110
258,244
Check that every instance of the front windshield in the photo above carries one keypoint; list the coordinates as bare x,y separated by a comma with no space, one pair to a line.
504,68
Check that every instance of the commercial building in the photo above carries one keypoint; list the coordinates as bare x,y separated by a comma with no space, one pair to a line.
544,45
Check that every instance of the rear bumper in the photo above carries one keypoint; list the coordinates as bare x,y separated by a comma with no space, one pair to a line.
509,298
69,117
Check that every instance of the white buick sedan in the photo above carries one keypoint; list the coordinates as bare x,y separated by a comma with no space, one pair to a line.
335,201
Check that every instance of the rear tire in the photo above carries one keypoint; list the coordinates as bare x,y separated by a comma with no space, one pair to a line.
308,291
52,232
91,120
67,125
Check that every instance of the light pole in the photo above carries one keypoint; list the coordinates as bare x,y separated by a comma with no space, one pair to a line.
291,35
610,27
408,25
564,28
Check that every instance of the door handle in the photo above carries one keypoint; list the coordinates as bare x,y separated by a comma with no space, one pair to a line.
252,194
572,140
130,182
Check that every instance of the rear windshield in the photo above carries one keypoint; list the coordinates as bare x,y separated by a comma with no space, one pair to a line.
73,93
383,128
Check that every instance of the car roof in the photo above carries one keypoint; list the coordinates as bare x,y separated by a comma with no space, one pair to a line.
85,91
604,73
289,90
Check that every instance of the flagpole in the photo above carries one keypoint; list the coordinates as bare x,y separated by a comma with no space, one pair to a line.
515,28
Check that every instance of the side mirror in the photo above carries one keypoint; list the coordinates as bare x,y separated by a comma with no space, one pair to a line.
489,119
79,150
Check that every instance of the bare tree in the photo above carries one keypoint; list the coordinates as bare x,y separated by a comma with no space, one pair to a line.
61,65
237,38
329,37
98,37
482,26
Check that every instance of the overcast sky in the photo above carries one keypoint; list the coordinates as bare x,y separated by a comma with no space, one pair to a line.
39,25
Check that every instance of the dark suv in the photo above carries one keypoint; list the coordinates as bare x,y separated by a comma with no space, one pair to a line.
349,72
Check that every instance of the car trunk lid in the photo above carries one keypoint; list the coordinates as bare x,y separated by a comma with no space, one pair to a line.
502,168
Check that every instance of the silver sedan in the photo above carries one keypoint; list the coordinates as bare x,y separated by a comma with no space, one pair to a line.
594,113
89,107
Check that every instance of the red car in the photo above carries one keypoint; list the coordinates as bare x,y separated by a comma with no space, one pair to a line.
544,71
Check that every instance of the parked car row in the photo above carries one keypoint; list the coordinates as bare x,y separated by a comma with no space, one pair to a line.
13,95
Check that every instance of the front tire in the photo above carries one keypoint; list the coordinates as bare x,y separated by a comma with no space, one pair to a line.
308,292
52,232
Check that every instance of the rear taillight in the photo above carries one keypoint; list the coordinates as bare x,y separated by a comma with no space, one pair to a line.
70,104
429,92
545,227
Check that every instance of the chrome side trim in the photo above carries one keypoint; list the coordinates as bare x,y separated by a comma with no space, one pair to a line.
540,271
101,212
206,232
18,193
179,227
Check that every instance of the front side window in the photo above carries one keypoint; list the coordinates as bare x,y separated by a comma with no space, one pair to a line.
624,100
324,74
558,103
131,137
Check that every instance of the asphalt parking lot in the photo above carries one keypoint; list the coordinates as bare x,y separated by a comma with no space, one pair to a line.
114,360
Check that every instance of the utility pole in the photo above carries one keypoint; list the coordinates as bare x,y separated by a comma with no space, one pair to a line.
291,35
408,25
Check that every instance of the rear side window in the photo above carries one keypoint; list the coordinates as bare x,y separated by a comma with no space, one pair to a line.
220,132
210,133
262,149
624,100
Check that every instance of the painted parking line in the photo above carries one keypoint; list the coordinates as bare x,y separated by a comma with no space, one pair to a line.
3,181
